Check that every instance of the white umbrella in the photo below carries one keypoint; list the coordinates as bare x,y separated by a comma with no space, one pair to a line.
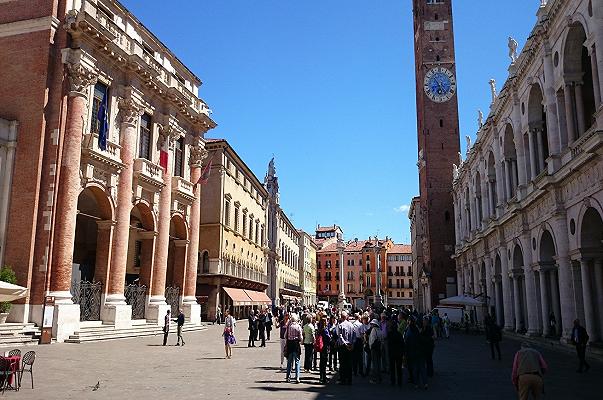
10,292
462,301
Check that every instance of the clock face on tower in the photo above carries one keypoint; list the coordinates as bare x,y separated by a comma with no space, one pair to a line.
439,84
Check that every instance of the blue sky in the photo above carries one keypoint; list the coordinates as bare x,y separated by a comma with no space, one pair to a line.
328,88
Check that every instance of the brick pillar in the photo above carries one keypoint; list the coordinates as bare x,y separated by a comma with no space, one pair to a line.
66,318
191,309
115,310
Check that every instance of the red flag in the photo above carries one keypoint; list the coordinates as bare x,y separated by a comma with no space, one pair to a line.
204,178
163,159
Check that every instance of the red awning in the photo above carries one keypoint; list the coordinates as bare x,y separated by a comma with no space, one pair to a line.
259,298
238,296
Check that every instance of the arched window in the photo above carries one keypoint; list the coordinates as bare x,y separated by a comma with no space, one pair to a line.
205,263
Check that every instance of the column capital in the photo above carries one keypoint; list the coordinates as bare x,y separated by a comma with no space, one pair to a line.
130,111
197,154
105,224
168,134
80,78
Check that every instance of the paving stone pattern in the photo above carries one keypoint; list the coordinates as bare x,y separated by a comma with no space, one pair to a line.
143,369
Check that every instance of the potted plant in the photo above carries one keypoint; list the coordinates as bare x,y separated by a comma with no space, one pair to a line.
6,275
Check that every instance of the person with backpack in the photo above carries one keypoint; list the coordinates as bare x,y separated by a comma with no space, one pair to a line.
321,346
374,344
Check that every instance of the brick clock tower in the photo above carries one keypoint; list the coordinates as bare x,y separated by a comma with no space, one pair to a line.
438,144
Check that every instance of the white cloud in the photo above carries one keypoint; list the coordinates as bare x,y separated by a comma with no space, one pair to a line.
402,209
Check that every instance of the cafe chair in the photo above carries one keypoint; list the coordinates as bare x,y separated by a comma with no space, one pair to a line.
15,352
5,372
27,366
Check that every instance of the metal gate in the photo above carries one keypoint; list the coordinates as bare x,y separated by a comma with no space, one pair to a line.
136,296
88,296
172,298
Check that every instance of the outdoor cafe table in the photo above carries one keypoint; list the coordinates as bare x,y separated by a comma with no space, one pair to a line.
14,367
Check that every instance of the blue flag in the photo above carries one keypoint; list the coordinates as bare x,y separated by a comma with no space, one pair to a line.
103,120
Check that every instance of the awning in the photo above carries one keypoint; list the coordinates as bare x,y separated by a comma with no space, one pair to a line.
238,296
259,298
462,301
10,292
287,297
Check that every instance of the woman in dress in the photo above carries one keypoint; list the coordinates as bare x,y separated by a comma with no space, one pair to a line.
229,337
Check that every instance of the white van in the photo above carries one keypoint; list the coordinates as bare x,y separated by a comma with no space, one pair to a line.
324,304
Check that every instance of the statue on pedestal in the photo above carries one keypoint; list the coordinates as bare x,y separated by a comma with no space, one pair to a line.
513,49
480,119
493,89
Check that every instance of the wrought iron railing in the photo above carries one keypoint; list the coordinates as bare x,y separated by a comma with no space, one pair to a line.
136,296
88,296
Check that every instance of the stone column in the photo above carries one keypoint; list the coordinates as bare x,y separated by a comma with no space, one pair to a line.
587,298
555,299
599,293
518,139
561,120
508,175
500,188
500,308
191,309
569,113
157,306
488,278
539,142
115,310
533,170
517,305
506,289
66,314
514,176
580,109
104,242
598,38
459,280
544,301
551,103
596,81
532,303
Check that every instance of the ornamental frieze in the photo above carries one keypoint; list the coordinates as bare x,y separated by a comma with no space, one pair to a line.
543,208
584,182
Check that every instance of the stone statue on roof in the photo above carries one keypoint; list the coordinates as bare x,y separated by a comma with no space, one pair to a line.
468,140
455,172
512,49
480,119
492,83
271,168
460,158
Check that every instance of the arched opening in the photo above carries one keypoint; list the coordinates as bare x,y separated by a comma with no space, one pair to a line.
91,252
176,262
510,162
538,136
591,271
579,91
492,195
547,285
519,289
204,262
468,211
478,199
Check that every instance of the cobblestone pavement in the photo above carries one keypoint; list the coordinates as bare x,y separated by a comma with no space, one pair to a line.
143,369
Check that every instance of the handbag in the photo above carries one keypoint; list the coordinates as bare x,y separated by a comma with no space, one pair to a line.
318,344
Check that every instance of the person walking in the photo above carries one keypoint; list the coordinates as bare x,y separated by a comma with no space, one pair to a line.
345,344
261,321
282,325
415,355
528,369
384,346
294,337
166,326
396,352
309,332
446,325
218,319
494,336
552,324
374,343
180,322
229,337
580,339
334,339
322,332
427,336
253,327
269,322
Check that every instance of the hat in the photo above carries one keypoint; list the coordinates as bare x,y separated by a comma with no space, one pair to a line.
375,322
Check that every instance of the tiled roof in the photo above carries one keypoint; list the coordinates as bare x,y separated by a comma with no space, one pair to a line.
327,228
401,249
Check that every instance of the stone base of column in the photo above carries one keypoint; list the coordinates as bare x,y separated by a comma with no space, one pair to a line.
19,313
119,315
533,333
66,321
192,311
36,312
156,310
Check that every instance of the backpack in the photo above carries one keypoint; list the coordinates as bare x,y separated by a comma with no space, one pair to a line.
318,344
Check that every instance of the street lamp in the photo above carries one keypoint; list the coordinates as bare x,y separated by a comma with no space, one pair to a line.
340,249
378,297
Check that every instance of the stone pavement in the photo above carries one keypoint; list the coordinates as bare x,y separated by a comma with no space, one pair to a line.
143,369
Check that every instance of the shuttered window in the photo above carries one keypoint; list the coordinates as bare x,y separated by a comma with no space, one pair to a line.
145,137
178,158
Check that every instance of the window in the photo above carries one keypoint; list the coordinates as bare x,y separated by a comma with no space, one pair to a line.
236,219
244,233
100,91
178,158
144,150
205,263
257,229
227,213
337,263
368,281
318,263
250,228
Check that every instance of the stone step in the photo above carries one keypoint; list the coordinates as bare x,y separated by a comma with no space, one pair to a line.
18,334
108,332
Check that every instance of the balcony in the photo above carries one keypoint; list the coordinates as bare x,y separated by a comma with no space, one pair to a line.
183,190
148,173
242,272
290,286
92,152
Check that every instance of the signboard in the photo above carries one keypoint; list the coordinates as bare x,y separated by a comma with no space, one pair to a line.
47,319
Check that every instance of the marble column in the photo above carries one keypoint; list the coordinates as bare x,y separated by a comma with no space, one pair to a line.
488,287
517,306
115,310
540,143
506,290
491,200
555,299
596,81
599,294
544,301
561,121
580,109
570,117
533,154
514,176
518,139
66,314
550,98
500,308
192,310
587,298
532,319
